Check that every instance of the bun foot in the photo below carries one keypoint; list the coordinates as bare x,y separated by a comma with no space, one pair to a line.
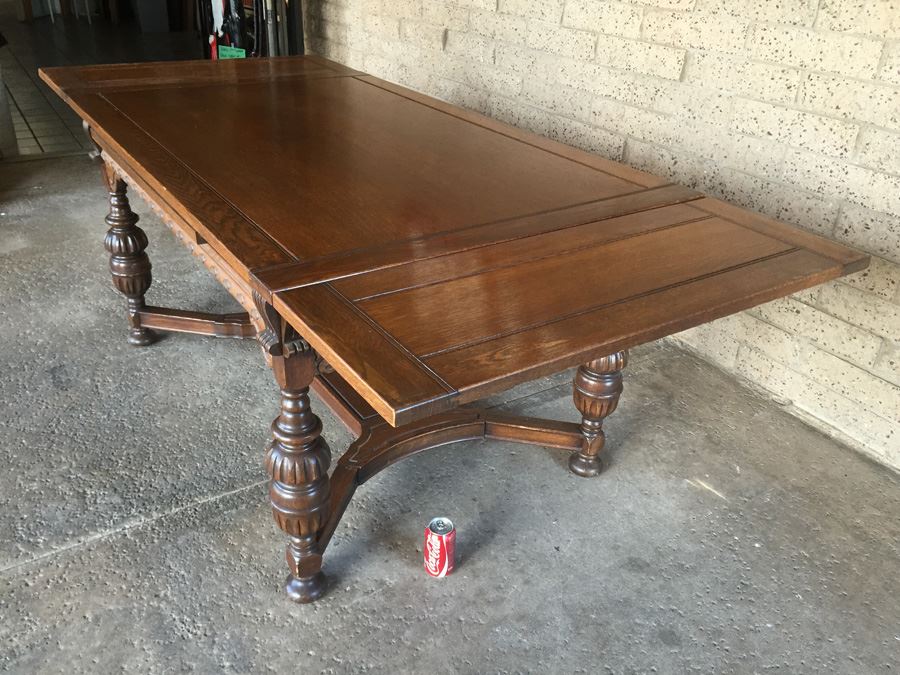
141,337
584,466
305,590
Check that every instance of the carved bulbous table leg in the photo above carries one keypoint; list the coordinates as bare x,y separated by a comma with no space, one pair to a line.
297,462
598,385
125,242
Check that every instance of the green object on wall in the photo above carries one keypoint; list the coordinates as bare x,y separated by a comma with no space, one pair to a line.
226,52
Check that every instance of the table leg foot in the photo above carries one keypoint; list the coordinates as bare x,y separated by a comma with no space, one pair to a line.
130,267
306,590
584,465
598,385
141,337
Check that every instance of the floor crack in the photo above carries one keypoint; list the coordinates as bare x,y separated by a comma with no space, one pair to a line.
130,524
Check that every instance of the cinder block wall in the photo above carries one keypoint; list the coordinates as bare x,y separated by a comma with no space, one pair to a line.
788,108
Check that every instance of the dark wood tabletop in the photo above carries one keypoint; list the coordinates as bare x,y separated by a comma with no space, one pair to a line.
402,257
430,254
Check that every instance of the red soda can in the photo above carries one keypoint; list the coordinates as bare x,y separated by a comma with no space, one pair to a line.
440,547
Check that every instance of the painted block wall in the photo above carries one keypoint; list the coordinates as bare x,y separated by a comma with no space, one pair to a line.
790,108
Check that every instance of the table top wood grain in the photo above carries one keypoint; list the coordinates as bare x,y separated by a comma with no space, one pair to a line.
430,254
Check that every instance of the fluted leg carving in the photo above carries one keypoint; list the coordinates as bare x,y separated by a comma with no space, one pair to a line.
598,385
297,462
125,242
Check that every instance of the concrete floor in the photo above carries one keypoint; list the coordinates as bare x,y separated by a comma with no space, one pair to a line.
726,536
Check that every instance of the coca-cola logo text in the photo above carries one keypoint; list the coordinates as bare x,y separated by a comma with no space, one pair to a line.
433,554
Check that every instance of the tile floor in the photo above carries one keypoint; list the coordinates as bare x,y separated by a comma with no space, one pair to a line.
43,125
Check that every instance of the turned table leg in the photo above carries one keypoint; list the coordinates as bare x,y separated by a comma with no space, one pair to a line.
297,457
598,385
125,242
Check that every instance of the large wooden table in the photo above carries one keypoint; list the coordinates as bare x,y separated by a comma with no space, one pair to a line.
406,258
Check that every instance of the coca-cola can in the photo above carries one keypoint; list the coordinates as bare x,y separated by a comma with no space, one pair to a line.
440,547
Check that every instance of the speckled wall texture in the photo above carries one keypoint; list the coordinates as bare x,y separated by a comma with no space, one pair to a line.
791,108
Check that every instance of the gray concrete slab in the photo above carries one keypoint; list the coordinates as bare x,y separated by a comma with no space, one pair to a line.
726,536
